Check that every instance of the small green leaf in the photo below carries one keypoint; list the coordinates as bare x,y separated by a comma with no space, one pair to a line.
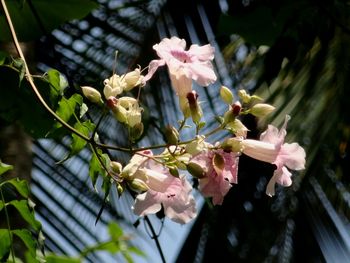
2,205
61,259
67,107
18,63
3,56
5,245
5,167
20,185
94,169
27,238
83,109
78,143
115,231
23,208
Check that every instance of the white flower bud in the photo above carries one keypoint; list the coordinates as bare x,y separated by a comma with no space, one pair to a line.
133,79
226,95
261,110
91,94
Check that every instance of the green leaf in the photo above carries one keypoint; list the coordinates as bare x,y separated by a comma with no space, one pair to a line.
78,143
115,231
23,208
27,238
3,56
61,259
94,169
5,245
67,107
2,205
5,167
50,13
20,185
18,63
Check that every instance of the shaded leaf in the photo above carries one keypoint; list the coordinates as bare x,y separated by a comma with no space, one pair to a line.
5,167
20,185
115,231
78,143
51,14
5,244
27,238
61,259
23,208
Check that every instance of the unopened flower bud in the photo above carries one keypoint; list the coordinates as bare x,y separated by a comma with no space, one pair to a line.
171,135
244,96
232,145
133,79
138,185
184,106
91,94
238,128
136,131
120,188
196,146
116,167
236,108
195,170
195,109
226,95
261,110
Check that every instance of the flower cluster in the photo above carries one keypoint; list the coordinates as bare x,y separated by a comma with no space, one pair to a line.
163,181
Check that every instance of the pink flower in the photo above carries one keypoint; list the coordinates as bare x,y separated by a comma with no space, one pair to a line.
164,190
183,65
272,149
220,172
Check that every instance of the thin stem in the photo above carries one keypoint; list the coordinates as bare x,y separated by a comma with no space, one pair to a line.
8,225
30,78
155,237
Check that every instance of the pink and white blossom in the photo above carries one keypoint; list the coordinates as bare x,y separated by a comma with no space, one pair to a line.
184,65
164,190
220,172
272,149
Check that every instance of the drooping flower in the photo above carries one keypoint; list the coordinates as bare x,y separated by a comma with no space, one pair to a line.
126,110
219,173
164,190
272,149
184,65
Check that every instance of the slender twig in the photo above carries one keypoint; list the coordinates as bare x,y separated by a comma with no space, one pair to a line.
155,237
8,225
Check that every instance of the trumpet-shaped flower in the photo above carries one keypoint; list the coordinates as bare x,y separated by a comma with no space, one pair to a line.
164,190
184,65
220,172
272,149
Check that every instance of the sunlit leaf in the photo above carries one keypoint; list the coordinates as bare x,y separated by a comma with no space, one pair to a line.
28,215
78,143
5,167
34,18
67,107
5,245
61,259
115,231
20,185
27,238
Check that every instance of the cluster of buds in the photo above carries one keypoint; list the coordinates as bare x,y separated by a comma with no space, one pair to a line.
125,109
162,181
